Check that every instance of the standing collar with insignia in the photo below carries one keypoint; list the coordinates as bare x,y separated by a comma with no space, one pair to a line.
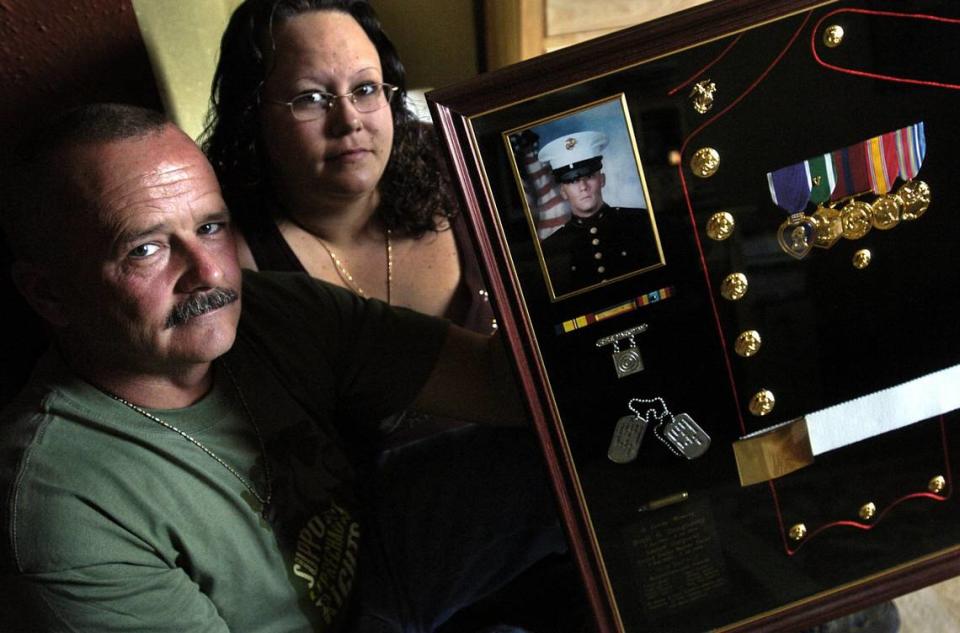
590,221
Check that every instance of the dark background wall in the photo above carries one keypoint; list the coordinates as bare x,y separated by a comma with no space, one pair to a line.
57,53
62,52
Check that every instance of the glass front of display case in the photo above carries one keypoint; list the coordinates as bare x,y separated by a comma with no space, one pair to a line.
731,270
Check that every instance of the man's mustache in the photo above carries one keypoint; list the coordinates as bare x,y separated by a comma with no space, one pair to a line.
201,303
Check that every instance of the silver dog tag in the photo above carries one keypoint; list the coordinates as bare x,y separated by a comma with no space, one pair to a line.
627,436
686,436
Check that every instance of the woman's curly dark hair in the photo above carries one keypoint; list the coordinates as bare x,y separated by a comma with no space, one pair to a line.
414,189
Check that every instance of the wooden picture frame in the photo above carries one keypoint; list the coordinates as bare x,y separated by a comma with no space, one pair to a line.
753,337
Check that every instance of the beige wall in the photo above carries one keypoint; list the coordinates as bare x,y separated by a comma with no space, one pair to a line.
183,41
521,29
436,39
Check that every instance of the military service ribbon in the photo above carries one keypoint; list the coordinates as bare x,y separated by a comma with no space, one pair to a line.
911,149
790,189
852,169
822,178
826,219
615,310
883,161
871,166
884,169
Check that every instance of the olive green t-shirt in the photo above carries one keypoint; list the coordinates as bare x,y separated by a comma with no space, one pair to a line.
114,522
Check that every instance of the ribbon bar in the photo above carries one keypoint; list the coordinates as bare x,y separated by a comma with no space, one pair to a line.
615,310
871,165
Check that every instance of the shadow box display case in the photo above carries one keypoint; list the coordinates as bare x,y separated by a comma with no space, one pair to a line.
724,251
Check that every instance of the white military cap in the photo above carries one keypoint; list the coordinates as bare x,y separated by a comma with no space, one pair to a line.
574,155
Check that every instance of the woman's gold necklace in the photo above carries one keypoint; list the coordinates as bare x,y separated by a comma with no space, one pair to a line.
341,268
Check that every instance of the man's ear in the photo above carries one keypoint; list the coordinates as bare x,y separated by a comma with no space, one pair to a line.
38,286
603,180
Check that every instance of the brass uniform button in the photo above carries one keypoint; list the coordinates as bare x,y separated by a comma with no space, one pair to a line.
734,287
797,532
762,402
705,162
833,36
937,485
598,255
601,269
595,241
593,230
747,344
861,259
867,511
720,226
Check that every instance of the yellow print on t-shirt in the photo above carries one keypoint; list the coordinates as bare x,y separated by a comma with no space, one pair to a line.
326,558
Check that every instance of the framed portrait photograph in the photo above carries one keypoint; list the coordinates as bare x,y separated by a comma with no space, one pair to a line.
585,196
721,248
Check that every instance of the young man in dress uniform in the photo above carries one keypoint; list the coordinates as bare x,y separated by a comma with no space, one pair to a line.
599,242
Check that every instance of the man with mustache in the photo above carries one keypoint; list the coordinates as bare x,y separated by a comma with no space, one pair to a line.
189,456
201,304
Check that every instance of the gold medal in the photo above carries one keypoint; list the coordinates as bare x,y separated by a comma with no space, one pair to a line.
705,162
796,235
827,227
885,212
915,195
720,226
855,220
747,344
734,287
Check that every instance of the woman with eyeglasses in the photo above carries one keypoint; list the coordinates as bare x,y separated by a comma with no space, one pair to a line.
326,170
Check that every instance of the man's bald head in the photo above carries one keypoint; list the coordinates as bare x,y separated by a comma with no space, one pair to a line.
42,183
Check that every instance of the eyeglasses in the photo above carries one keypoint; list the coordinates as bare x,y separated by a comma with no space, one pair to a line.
316,103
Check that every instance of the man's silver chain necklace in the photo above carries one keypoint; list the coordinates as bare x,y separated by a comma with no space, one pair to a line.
264,500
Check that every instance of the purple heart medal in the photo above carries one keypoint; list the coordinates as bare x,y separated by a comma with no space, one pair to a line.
790,190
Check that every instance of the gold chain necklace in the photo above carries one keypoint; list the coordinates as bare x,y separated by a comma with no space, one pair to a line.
341,268
263,500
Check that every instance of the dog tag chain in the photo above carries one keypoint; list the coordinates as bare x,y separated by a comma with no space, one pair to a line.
679,433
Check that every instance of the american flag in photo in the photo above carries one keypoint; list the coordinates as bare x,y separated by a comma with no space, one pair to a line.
550,211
